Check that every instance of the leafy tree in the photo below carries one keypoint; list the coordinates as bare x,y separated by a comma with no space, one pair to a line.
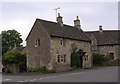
15,57
10,38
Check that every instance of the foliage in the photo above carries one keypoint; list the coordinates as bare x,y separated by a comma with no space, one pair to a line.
41,69
97,58
15,57
29,69
107,58
10,38
51,71
76,58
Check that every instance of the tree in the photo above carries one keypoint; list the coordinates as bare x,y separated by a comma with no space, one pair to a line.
15,57
10,38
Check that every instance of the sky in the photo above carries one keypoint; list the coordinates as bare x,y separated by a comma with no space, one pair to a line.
22,15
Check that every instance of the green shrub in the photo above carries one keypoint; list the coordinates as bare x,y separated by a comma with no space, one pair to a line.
41,69
107,58
15,57
51,71
29,69
37,69
97,59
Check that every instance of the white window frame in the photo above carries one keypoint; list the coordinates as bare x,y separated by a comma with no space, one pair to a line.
58,58
37,42
62,58
61,41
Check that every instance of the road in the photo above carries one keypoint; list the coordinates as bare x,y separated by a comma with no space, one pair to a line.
106,74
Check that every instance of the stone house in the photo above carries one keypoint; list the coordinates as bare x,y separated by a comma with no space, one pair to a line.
21,49
49,44
105,42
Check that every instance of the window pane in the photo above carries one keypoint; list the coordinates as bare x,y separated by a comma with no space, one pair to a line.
61,60
58,56
38,42
58,60
64,56
64,43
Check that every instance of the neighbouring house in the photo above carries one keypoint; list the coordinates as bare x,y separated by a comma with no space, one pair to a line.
49,44
20,48
105,42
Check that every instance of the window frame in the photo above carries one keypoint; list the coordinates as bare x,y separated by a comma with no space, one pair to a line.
37,42
62,42
64,58
61,58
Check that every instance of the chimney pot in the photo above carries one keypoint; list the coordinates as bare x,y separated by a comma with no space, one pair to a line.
100,28
58,14
77,18
59,19
77,23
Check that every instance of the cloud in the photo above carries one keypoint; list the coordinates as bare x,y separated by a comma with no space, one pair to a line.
21,15
21,25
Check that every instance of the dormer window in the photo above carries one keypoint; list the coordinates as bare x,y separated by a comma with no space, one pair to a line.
37,42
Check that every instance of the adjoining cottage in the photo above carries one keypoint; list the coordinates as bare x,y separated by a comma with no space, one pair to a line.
49,44
105,42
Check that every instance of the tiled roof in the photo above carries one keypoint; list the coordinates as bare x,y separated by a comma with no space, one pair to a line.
106,37
17,48
64,31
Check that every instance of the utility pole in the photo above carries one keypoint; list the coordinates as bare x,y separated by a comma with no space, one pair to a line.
56,10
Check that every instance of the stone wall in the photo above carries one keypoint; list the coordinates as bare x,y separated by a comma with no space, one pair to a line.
57,49
109,49
40,55
14,68
94,43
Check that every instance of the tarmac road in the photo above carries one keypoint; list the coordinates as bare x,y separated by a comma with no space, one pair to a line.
106,74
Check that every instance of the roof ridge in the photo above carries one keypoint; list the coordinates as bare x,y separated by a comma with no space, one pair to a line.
55,22
103,31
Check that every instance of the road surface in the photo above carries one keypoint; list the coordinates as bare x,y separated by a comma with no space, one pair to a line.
106,74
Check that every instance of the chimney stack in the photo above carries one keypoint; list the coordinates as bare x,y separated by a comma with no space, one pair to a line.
77,23
100,28
59,19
